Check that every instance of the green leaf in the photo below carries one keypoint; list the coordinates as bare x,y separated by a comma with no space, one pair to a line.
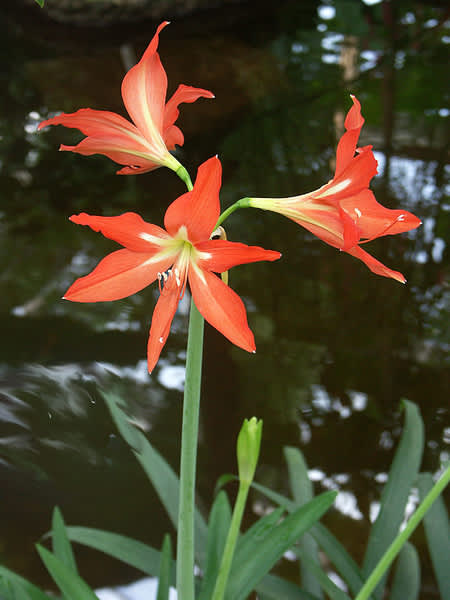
406,583
219,524
250,566
133,553
68,582
341,559
302,491
41,3
160,473
402,475
333,591
275,588
61,544
18,583
256,534
13,591
338,555
165,570
437,531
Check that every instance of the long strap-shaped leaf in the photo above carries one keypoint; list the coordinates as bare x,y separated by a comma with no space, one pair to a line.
302,492
437,531
406,583
250,567
132,552
275,588
71,584
160,473
343,562
402,475
18,584
218,526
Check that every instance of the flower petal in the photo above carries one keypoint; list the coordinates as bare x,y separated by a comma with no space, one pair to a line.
224,254
221,307
163,314
128,229
173,136
184,93
347,144
118,275
94,123
374,219
119,149
355,177
199,209
375,265
144,90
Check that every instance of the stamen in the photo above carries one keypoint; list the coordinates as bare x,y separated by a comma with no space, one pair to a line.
177,277
358,212
383,231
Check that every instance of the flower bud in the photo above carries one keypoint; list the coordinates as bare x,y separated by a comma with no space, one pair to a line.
248,444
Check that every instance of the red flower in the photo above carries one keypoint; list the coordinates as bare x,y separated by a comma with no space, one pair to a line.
180,253
344,213
144,144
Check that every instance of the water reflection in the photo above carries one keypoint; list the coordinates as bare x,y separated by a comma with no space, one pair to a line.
337,347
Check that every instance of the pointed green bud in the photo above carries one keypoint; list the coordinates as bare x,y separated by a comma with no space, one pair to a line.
248,444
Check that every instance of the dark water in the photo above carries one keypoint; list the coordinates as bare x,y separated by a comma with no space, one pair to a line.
337,347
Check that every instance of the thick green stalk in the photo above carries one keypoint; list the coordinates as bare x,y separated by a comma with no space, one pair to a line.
230,545
390,554
189,437
189,440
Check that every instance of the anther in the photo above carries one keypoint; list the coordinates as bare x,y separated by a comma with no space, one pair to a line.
358,212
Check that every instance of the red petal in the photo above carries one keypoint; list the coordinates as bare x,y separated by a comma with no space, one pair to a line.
225,254
184,93
163,314
173,136
351,232
354,178
347,144
375,265
128,229
118,275
93,122
221,307
144,91
375,220
137,170
119,149
198,210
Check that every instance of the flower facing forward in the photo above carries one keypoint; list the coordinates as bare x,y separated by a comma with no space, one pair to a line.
144,143
344,212
180,253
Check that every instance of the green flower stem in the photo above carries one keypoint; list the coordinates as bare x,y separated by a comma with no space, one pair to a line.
230,545
184,176
401,538
242,203
189,438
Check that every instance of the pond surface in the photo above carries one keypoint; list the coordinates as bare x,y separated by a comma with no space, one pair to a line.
337,347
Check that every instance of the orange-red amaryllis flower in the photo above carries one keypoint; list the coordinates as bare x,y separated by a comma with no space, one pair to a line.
181,252
144,143
344,213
